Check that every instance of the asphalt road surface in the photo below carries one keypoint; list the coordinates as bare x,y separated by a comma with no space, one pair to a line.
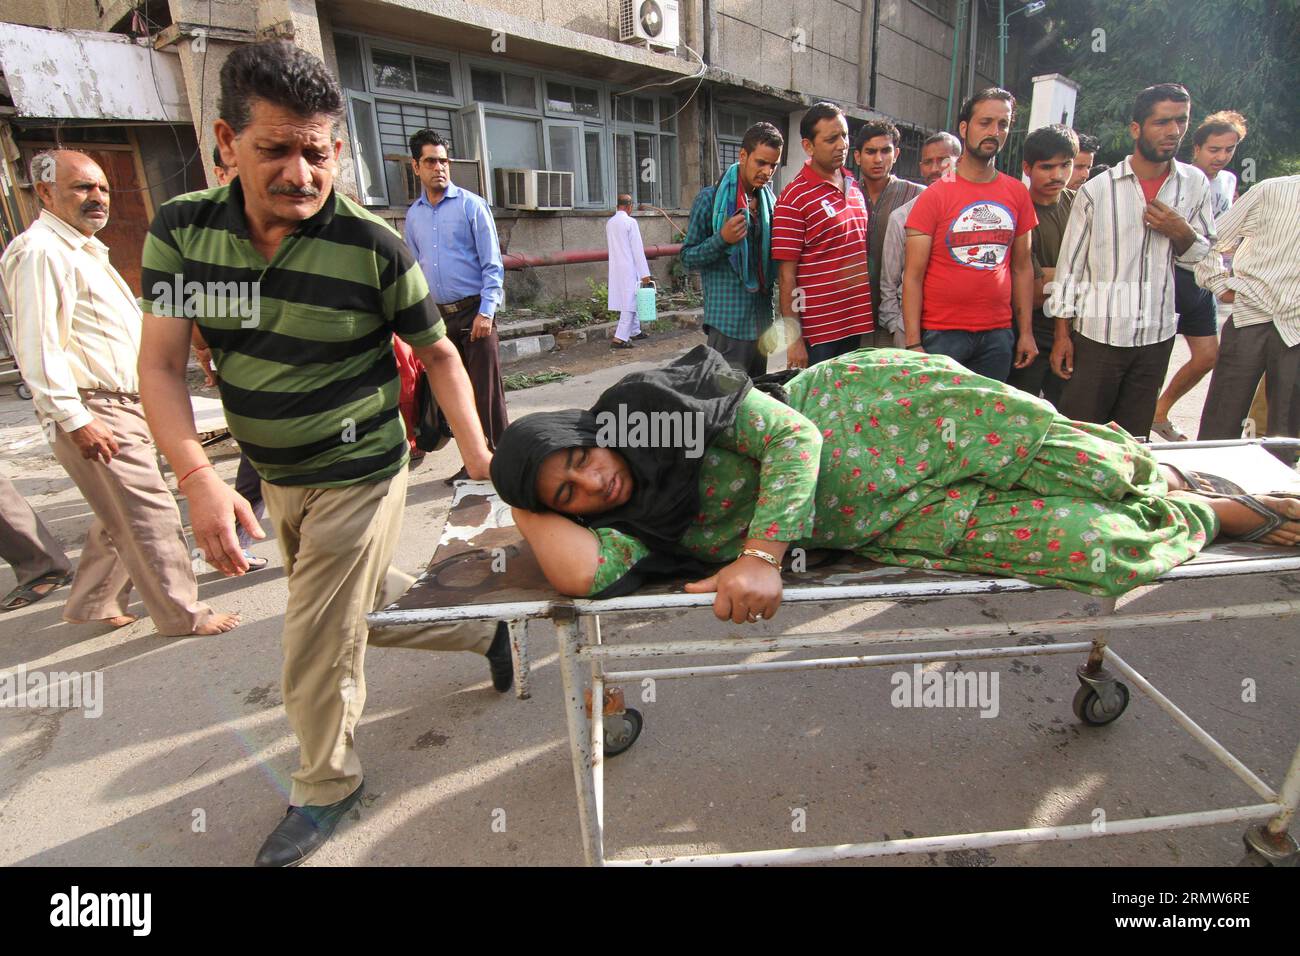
188,763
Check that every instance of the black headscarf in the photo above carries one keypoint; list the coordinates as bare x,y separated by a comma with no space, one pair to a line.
665,482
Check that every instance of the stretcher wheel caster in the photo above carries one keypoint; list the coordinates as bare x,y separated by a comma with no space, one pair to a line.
1276,850
1092,708
621,731
24,392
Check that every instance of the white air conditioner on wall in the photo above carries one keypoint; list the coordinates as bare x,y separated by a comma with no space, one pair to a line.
538,189
650,21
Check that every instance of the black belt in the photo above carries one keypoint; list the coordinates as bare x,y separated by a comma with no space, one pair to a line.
449,309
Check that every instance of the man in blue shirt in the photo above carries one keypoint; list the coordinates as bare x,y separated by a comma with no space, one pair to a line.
451,232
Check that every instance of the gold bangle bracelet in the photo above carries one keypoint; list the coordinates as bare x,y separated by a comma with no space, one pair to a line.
755,553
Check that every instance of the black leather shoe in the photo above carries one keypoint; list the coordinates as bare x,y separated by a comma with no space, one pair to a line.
303,831
500,662
462,475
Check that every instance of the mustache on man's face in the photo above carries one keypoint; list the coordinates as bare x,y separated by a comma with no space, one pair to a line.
300,192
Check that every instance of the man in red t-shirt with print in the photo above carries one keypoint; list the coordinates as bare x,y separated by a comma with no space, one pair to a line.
819,241
967,267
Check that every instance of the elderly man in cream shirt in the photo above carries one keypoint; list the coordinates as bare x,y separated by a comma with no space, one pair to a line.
77,339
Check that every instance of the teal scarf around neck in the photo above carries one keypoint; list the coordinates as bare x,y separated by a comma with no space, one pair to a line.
740,257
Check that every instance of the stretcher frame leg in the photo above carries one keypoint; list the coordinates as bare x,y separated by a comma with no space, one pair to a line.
580,738
1270,839
518,629
1111,701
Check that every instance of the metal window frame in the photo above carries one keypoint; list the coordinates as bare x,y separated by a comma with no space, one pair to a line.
462,100
662,139
459,90
353,96
579,174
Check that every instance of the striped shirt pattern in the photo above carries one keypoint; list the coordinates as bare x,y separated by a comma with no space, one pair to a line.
897,192
310,386
1223,188
1264,225
76,321
889,308
1115,276
825,231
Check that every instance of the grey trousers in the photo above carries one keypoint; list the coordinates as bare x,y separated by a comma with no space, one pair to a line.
1246,355
743,355
25,542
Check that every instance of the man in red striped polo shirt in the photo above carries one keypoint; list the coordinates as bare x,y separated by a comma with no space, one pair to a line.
819,235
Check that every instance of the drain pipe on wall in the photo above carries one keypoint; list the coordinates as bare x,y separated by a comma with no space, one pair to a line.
952,72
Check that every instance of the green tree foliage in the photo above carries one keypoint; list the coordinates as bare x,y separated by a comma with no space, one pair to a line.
1230,54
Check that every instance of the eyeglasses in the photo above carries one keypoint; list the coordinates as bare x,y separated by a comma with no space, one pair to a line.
432,161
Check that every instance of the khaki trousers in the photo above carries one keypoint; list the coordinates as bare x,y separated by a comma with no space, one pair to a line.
337,544
1259,408
136,537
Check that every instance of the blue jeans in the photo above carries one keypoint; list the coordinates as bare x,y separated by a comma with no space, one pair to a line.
985,353
830,350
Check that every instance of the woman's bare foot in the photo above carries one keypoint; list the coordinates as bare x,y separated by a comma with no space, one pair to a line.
1173,479
218,623
1237,519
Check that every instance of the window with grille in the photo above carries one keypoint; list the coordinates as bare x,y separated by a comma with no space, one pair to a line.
398,122
532,118
732,126
645,149
908,165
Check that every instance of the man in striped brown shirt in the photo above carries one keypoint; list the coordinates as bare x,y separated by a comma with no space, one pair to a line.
819,239
310,388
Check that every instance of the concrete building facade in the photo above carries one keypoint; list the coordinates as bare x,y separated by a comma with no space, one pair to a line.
538,85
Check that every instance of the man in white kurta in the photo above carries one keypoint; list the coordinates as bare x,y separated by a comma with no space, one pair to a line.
627,271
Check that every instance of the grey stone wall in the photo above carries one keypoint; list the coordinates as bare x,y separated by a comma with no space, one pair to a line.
810,46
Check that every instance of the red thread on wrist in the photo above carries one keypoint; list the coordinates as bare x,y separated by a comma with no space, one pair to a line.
192,471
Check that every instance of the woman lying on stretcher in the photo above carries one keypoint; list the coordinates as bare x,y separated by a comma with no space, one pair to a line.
903,458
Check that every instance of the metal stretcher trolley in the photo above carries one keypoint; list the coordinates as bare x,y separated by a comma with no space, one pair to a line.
464,581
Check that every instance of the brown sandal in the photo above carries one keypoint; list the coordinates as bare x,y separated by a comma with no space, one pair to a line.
1272,519
26,594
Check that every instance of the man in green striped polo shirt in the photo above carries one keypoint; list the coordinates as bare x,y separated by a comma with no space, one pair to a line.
298,291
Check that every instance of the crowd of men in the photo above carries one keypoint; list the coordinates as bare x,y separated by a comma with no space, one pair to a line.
1072,288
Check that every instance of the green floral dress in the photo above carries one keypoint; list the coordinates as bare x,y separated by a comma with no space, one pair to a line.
911,459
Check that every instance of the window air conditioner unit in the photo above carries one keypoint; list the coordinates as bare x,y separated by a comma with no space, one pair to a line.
655,22
538,189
